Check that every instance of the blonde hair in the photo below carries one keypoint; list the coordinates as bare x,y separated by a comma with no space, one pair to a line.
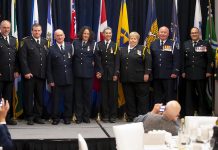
134,34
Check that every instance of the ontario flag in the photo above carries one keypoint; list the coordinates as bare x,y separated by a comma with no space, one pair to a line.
102,21
73,20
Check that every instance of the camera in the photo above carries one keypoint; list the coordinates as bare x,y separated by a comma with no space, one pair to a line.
162,108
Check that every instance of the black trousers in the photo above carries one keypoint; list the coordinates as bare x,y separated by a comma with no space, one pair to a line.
109,98
6,92
195,99
33,92
65,92
164,90
83,91
137,98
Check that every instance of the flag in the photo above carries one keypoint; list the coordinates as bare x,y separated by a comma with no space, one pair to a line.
102,20
17,93
13,19
35,14
198,17
123,26
151,30
122,39
102,25
49,29
73,20
174,29
210,36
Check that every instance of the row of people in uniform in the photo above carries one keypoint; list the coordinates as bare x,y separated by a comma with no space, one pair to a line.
69,68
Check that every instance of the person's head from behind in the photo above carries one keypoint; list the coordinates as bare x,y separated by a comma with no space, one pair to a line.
172,110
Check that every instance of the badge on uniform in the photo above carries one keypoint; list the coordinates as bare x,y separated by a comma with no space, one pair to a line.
112,51
88,48
139,53
201,48
45,47
167,48
69,56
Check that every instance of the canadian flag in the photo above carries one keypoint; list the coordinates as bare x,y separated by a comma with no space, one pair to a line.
102,20
73,20
102,25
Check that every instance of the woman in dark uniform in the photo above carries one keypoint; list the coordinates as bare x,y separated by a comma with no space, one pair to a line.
135,69
83,65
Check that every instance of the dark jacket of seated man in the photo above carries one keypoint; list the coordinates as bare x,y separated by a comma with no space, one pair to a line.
5,137
166,121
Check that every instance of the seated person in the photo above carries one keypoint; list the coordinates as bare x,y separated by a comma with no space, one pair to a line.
5,137
155,120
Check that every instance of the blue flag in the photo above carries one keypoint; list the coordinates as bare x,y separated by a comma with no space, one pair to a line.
35,13
151,24
174,29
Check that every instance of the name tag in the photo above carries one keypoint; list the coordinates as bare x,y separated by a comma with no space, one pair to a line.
201,49
112,51
167,48
139,52
88,48
69,56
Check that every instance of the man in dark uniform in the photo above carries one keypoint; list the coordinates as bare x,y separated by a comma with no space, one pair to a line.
109,70
8,66
135,71
84,63
197,64
165,66
60,76
32,57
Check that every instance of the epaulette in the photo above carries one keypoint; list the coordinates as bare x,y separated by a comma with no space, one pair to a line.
25,38
22,41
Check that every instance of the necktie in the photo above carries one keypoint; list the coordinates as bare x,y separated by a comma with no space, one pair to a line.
162,44
83,44
62,50
107,45
37,41
195,44
6,39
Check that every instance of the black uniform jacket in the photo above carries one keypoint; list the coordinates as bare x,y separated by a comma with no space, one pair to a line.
8,58
135,64
196,60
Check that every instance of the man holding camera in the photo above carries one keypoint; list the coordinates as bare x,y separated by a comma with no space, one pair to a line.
158,120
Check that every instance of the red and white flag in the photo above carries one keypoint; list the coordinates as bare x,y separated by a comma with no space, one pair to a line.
102,25
102,20
73,20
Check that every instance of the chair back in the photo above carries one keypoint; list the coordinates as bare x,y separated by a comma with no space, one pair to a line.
82,143
129,136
